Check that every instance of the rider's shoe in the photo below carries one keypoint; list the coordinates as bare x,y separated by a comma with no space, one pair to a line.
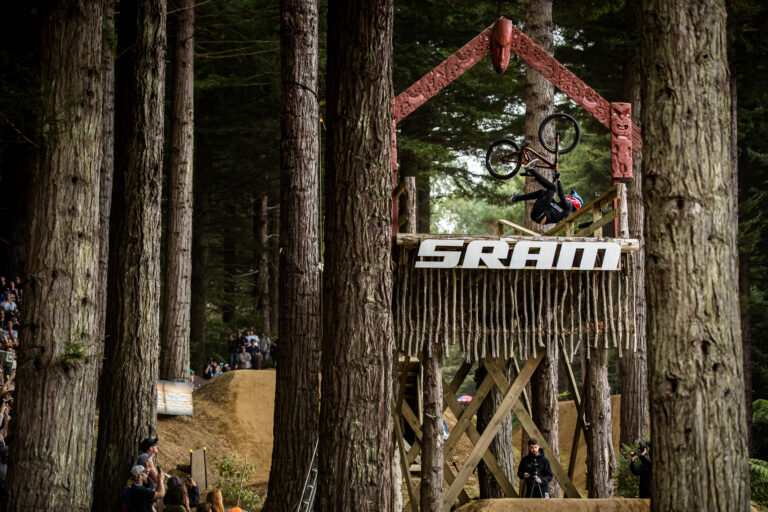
525,173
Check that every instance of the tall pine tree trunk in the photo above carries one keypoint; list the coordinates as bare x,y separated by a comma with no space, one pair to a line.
601,462
297,385
177,286
274,272
230,266
58,363
432,428
128,392
198,307
696,382
633,365
262,260
539,97
108,158
501,446
355,414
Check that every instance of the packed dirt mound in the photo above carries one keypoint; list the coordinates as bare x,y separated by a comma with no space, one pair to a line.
233,416
567,425
564,505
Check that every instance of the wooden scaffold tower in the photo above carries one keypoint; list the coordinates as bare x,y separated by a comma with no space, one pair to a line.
506,297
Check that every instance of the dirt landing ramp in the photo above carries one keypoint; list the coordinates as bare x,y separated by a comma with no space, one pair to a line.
558,505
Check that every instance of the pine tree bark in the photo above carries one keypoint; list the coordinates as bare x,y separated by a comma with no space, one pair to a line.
424,215
601,462
58,361
539,94
501,446
274,272
696,381
539,98
633,364
262,261
355,414
108,158
128,390
198,308
432,429
177,284
297,385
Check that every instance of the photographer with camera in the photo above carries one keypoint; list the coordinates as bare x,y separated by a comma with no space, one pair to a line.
643,470
535,470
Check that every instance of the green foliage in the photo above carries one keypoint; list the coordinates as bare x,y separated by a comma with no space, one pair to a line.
760,428
758,481
235,478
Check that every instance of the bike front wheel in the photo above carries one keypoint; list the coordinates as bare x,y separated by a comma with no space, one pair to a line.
563,125
503,159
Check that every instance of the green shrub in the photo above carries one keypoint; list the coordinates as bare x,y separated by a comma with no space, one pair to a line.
758,481
233,472
760,428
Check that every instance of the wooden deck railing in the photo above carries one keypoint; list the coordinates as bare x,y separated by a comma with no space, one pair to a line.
591,213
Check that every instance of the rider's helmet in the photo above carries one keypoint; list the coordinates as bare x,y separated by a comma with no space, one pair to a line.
575,200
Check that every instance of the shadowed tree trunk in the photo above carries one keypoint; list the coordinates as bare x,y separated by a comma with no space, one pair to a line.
696,382
262,261
58,363
424,217
273,272
501,446
355,414
128,390
177,286
198,307
230,266
432,429
601,462
539,97
108,158
297,385
633,365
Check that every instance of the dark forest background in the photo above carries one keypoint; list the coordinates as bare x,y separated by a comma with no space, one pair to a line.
237,139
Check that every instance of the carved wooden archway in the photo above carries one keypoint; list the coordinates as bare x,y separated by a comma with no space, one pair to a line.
500,39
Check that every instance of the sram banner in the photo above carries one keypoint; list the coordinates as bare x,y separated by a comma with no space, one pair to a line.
541,255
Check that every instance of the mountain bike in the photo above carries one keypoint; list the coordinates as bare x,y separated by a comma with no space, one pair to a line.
558,133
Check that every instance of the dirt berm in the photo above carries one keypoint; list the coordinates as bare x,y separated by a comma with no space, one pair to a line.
233,416
560,505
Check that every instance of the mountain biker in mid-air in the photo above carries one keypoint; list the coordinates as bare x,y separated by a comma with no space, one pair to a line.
546,210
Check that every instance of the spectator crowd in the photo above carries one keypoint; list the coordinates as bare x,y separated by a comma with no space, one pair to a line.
11,296
148,486
247,351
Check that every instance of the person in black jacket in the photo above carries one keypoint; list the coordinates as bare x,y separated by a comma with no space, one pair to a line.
643,471
546,210
535,470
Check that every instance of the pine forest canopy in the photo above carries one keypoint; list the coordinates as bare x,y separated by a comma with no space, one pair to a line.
70,123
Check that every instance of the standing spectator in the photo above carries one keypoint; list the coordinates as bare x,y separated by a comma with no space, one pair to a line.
148,448
8,303
137,496
241,340
265,344
210,369
251,336
205,507
189,490
216,501
253,349
244,359
176,498
232,345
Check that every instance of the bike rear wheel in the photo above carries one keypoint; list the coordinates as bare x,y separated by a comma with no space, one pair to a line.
566,126
503,159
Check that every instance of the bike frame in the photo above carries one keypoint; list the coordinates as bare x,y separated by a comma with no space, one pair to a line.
526,151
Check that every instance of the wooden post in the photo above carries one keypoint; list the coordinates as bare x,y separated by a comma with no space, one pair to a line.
410,204
432,430
601,462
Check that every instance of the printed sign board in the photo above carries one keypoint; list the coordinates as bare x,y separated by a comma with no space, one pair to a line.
527,254
174,398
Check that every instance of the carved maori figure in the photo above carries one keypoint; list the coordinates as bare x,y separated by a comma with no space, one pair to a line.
621,141
501,44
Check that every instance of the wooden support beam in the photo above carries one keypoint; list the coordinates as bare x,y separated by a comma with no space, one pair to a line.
403,457
526,401
527,423
596,228
511,397
465,425
579,411
502,223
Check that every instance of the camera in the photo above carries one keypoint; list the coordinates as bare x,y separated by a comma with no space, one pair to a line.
533,469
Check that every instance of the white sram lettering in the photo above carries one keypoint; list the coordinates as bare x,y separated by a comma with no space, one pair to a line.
495,254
